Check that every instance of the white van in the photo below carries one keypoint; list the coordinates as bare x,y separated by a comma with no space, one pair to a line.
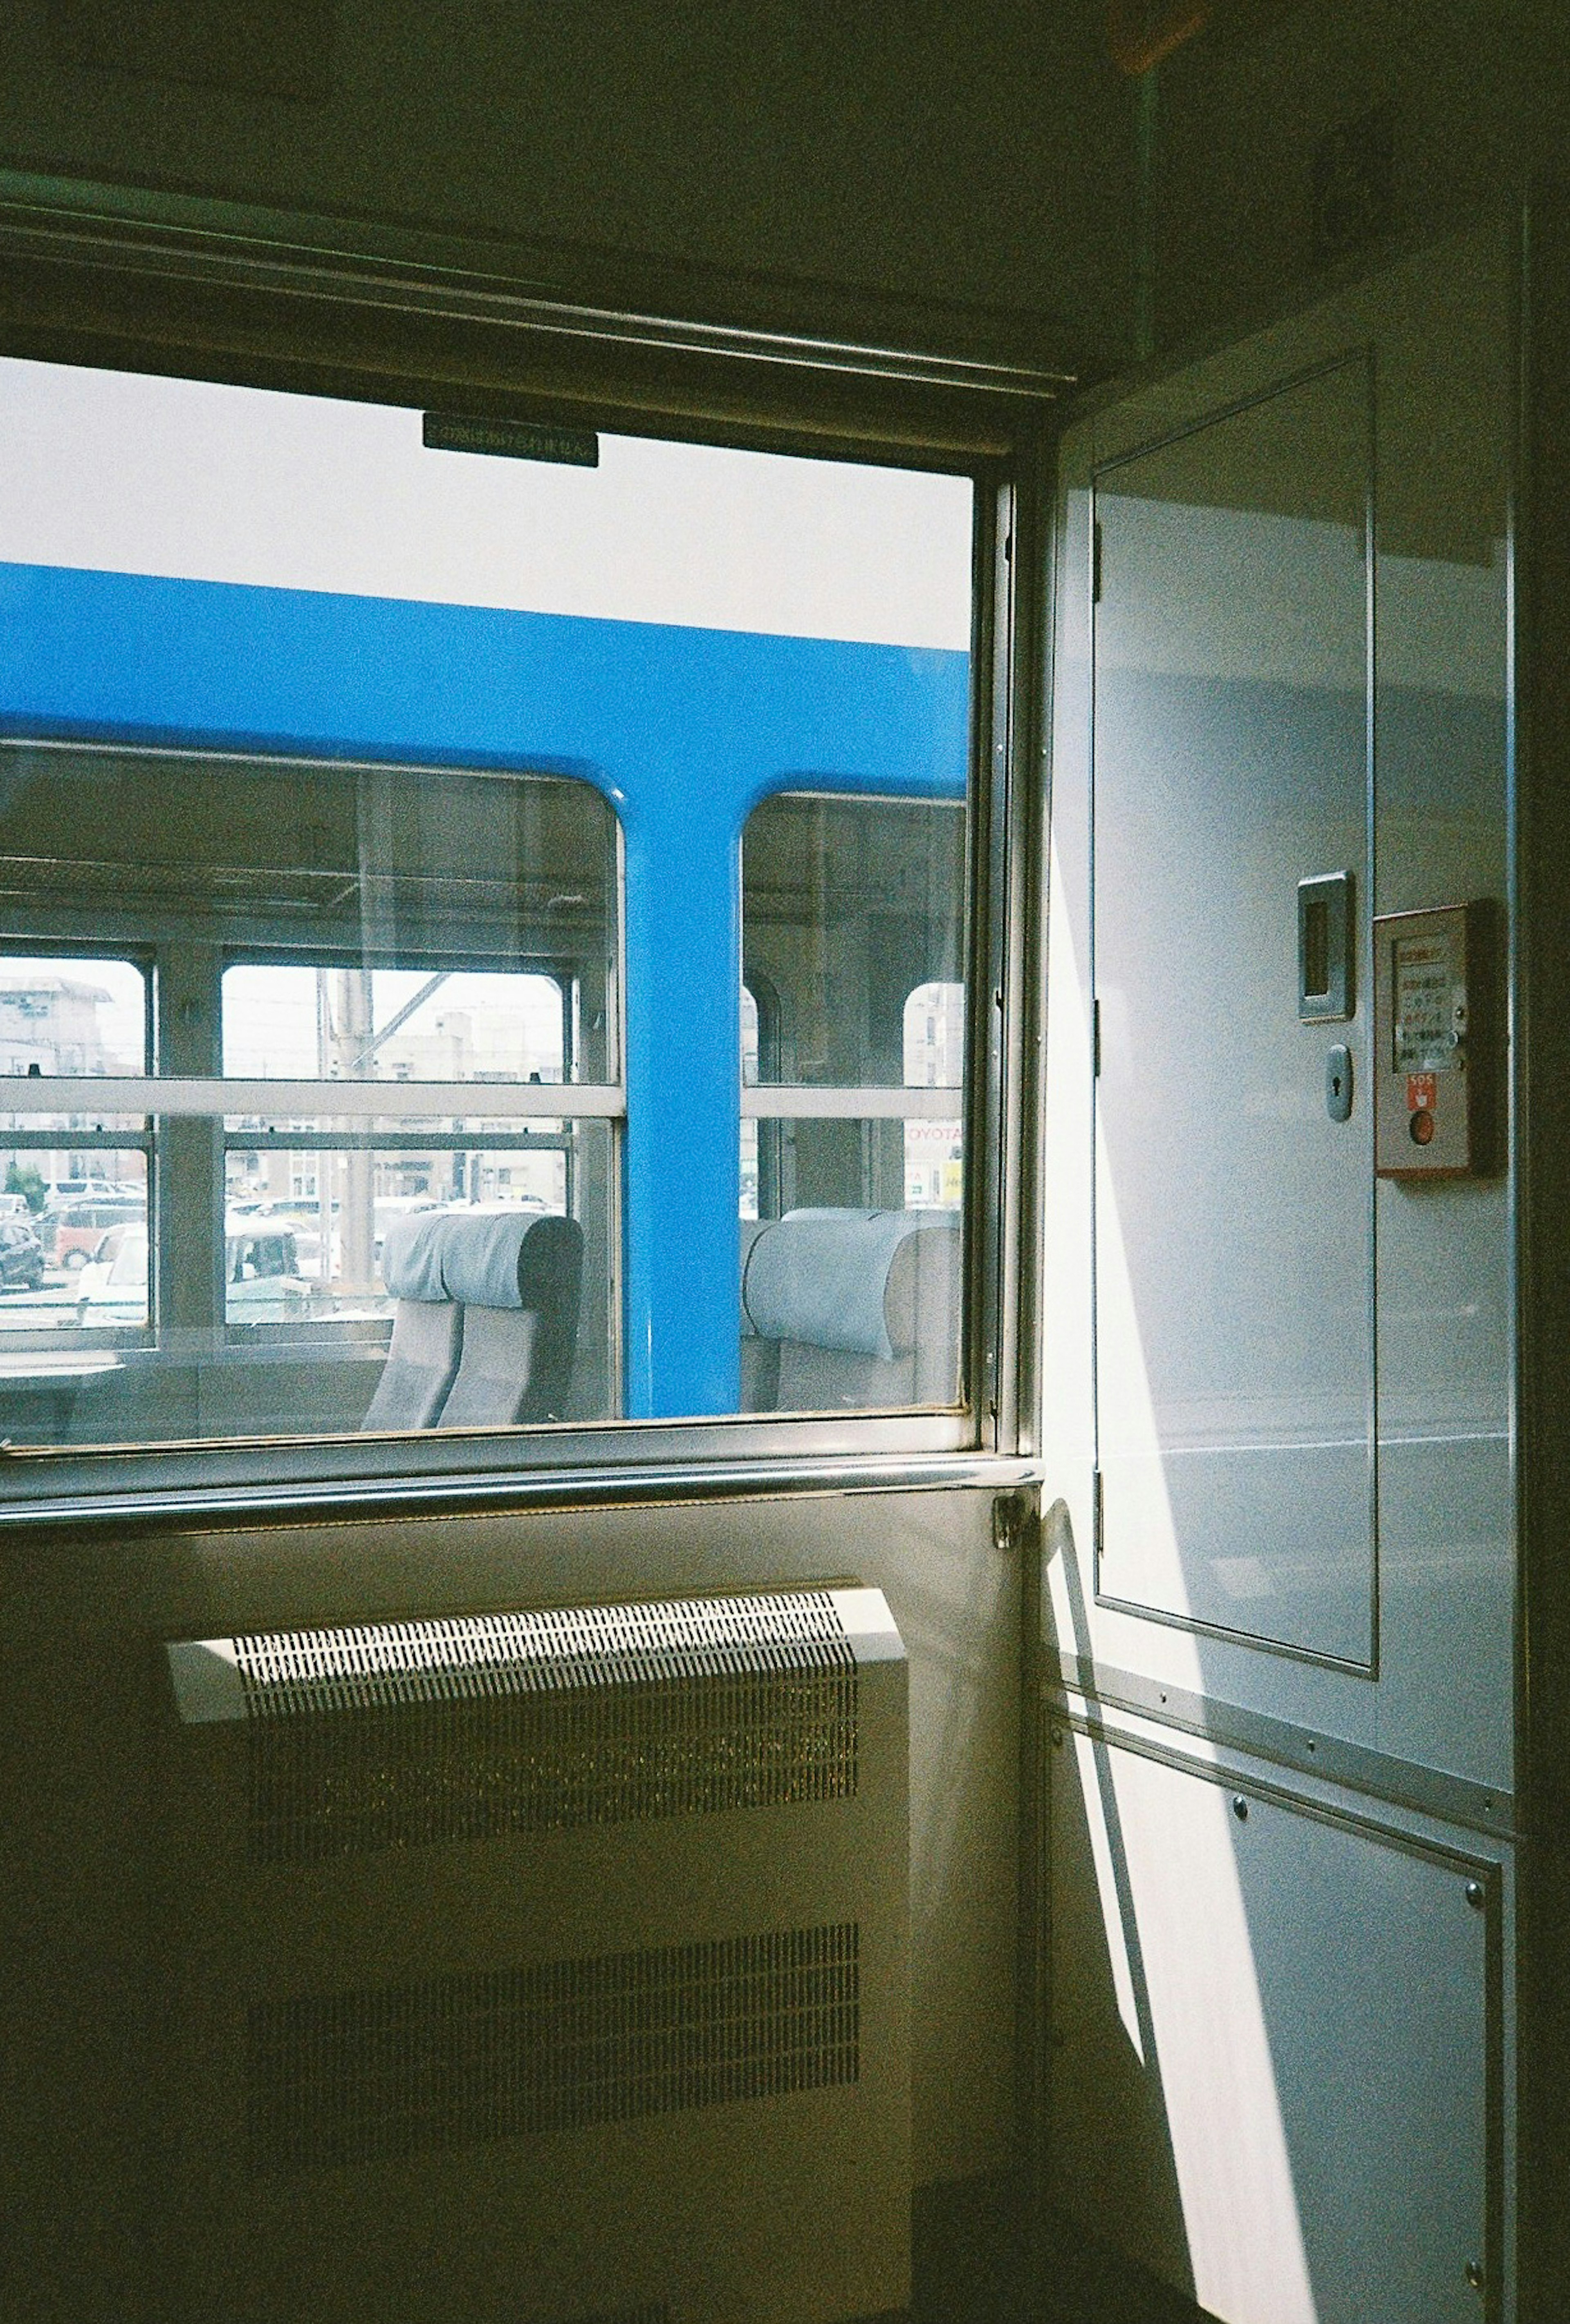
262,1278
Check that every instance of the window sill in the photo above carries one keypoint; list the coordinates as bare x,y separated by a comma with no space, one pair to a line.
567,1466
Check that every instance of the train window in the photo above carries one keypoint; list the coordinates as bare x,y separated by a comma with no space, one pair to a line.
369,823
749,1196
855,1151
73,1177
934,1059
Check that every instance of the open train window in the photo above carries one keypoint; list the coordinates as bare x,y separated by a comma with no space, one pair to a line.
376,808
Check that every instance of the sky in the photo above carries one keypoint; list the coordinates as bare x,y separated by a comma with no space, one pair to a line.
123,472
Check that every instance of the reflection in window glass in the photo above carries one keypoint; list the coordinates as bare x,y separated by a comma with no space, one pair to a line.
394,1024
848,1305
848,903
312,1323
852,911
336,1207
934,1059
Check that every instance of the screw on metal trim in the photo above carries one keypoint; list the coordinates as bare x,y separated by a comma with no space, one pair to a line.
1475,1895
1240,1808
1473,2273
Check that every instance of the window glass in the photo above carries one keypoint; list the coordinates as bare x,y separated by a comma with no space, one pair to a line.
845,903
375,811
73,1173
934,1059
394,1025
72,1016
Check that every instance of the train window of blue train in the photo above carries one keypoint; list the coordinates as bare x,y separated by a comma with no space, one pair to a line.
846,903
934,1059
408,788
748,1205
69,1176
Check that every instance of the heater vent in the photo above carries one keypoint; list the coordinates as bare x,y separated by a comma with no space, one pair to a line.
437,1771
382,2074
473,1729
386,1662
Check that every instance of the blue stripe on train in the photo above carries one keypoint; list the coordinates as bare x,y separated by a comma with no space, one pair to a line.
683,730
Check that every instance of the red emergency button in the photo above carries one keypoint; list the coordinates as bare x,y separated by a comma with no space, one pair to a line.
1422,1126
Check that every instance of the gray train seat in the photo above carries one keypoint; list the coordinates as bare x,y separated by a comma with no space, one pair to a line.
485,1322
422,1355
861,1308
760,1357
517,1281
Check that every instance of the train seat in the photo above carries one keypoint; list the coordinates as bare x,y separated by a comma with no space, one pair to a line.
494,1299
760,1357
517,1278
422,1355
860,1306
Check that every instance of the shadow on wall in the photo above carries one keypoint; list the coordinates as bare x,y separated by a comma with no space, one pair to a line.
1108,2107
1270,2054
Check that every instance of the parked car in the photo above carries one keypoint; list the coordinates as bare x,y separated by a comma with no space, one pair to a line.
74,1231
261,1280
112,1288
21,1256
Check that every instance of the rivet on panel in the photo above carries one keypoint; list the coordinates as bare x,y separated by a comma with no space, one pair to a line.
1473,2273
1475,1895
1240,1808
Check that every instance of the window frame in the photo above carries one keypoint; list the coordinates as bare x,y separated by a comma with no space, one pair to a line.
201,289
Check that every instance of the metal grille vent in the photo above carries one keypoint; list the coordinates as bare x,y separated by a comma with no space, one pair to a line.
468,1770
470,1729
385,1662
379,2075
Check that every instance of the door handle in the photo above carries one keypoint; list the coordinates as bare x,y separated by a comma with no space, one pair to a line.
1326,988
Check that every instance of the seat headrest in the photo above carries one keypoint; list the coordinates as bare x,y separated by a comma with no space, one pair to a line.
853,1280
411,1258
498,1258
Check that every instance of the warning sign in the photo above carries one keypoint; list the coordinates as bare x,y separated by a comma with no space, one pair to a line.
1420,1092
1425,1037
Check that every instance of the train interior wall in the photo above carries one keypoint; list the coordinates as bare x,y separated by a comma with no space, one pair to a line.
987,179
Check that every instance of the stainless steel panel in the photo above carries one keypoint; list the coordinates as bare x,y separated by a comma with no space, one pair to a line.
1273,2067
1438,323
1233,1216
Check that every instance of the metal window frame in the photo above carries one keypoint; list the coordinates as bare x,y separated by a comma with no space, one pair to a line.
131,280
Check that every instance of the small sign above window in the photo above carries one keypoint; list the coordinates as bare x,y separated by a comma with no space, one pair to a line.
511,439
